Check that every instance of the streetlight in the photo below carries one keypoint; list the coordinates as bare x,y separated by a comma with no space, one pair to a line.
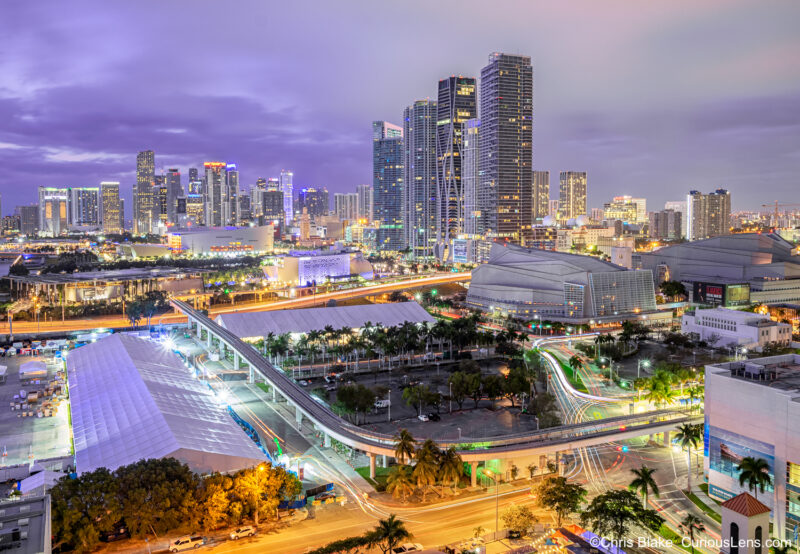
450,398
258,486
389,398
494,478
641,364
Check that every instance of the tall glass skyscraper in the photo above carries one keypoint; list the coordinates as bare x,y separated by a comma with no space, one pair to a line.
470,156
572,194
174,191
506,147
541,196
287,188
387,184
111,208
144,198
421,219
214,192
456,104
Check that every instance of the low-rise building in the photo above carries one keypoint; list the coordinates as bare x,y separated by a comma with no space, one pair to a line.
752,408
735,329
222,240
303,267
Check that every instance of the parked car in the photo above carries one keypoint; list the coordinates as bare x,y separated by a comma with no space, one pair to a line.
118,534
186,543
407,547
325,496
303,383
330,388
422,417
383,403
330,378
433,416
239,532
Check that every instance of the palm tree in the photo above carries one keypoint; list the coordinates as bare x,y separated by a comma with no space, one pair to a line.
692,524
644,483
389,533
451,467
689,436
424,474
478,531
399,482
754,472
575,363
405,446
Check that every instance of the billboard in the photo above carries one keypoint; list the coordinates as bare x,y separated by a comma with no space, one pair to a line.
716,294
460,251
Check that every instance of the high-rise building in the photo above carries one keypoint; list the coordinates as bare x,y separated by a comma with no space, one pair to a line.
195,185
162,204
272,206
315,199
470,178
287,188
506,147
84,207
456,103
541,196
174,191
626,209
28,219
230,203
144,200
708,215
193,175
53,211
665,225
195,210
387,184
243,212
364,201
420,217
215,184
678,206
111,210
346,205
572,194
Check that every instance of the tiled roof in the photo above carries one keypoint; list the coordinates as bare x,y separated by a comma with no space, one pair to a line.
746,505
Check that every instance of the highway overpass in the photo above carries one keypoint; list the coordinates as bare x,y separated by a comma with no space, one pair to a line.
474,451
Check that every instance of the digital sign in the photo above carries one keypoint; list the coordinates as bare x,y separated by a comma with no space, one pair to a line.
715,294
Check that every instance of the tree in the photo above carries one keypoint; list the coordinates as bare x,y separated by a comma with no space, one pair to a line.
755,473
458,387
451,467
425,470
644,483
405,446
672,289
689,436
416,396
561,496
516,383
474,386
493,387
532,469
691,525
518,518
545,407
389,533
613,512
399,482
575,362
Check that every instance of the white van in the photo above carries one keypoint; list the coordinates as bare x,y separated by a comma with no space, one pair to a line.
385,403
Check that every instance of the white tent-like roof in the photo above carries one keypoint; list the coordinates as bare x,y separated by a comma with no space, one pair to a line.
260,324
132,399
32,368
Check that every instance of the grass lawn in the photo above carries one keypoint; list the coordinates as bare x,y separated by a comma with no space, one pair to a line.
671,535
704,488
573,377
381,473
264,387
705,507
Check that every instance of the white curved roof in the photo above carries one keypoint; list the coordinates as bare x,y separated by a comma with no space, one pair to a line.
260,324
132,399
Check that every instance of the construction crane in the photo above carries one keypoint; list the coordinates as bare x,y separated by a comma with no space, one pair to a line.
777,204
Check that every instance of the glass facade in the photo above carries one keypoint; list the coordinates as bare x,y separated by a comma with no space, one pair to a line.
387,184
622,292
726,450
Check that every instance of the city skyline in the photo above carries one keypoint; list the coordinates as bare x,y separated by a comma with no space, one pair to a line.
675,130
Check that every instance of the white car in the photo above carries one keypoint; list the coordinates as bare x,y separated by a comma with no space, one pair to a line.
186,543
303,383
407,547
246,531
422,417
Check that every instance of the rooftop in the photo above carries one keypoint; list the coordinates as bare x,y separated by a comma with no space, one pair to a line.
746,505
777,372
131,274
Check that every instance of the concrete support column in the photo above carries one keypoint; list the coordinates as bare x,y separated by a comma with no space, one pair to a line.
274,393
473,474
561,466
327,441
298,416
208,338
372,465
383,461
236,359
666,438
251,377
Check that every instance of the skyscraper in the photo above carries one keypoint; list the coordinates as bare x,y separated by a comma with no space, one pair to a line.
215,183
456,104
541,196
315,199
506,147
287,188
470,177
230,203
420,217
364,201
678,206
346,205
84,207
28,219
665,224
174,191
111,210
627,209
144,201
572,194
53,211
708,215
387,184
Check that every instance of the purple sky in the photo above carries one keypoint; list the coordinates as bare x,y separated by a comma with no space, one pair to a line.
651,98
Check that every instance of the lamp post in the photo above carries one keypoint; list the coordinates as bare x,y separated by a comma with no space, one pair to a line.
258,493
494,478
389,398
450,398
641,364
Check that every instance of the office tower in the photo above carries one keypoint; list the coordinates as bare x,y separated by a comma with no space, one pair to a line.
195,185
174,191
554,203
346,206
572,194
421,220
596,215
665,225
387,184
162,196
470,159
541,196
144,201
364,201
193,174
28,219
708,215
230,192
506,147
456,103
53,212
678,206
243,208
626,209
272,207
215,183
10,224
84,207
111,210
287,188
195,210
315,199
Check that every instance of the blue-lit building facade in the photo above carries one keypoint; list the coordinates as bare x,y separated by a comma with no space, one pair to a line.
419,140
387,185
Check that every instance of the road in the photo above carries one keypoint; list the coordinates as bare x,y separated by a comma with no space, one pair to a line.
116,321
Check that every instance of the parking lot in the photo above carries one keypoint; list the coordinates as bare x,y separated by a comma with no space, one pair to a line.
26,431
